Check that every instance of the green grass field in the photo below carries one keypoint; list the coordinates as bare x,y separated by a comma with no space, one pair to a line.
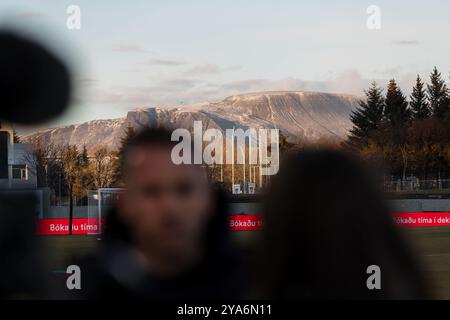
432,245
61,250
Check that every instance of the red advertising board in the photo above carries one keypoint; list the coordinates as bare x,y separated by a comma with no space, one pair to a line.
240,222
422,219
91,226
61,226
245,222
404,219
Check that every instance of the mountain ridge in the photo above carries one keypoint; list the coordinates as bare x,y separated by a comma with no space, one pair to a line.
298,114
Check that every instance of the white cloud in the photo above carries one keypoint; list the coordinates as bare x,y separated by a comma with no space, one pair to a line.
208,69
32,14
132,48
167,62
172,91
405,42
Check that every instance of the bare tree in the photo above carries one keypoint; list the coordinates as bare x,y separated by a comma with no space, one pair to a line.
43,160
102,168
70,163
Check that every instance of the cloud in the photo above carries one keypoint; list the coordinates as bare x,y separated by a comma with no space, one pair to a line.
389,71
187,90
232,68
204,69
132,48
209,68
350,82
85,82
161,93
171,92
405,42
167,62
32,14
175,84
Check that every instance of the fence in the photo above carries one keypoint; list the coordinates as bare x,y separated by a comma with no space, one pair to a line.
417,185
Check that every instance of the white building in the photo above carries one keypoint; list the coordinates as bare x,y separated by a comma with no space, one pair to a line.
15,171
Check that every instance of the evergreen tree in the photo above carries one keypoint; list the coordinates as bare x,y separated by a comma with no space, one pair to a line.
16,137
367,117
396,111
438,95
84,178
419,104
84,158
129,134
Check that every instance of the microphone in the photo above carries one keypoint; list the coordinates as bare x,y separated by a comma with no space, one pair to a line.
35,85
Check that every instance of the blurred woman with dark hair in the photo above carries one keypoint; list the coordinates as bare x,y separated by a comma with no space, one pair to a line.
325,223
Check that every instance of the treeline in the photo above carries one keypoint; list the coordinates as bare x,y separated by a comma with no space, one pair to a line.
69,172
409,137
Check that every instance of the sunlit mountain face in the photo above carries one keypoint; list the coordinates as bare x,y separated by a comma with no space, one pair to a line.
310,116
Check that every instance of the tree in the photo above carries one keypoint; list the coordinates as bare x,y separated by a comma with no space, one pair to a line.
429,144
84,178
16,137
438,95
366,118
129,134
102,168
70,161
44,163
419,104
411,137
398,117
396,110
84,158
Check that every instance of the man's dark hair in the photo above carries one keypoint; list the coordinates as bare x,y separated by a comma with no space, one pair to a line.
150,137
145,138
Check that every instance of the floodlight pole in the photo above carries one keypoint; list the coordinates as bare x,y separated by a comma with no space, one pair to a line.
99,202
243,152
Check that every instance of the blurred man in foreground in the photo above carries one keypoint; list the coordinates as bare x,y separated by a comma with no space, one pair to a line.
167,238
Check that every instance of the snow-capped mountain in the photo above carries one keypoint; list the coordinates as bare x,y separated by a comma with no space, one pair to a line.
300,115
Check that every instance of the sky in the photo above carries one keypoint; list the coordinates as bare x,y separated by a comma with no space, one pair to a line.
135,54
